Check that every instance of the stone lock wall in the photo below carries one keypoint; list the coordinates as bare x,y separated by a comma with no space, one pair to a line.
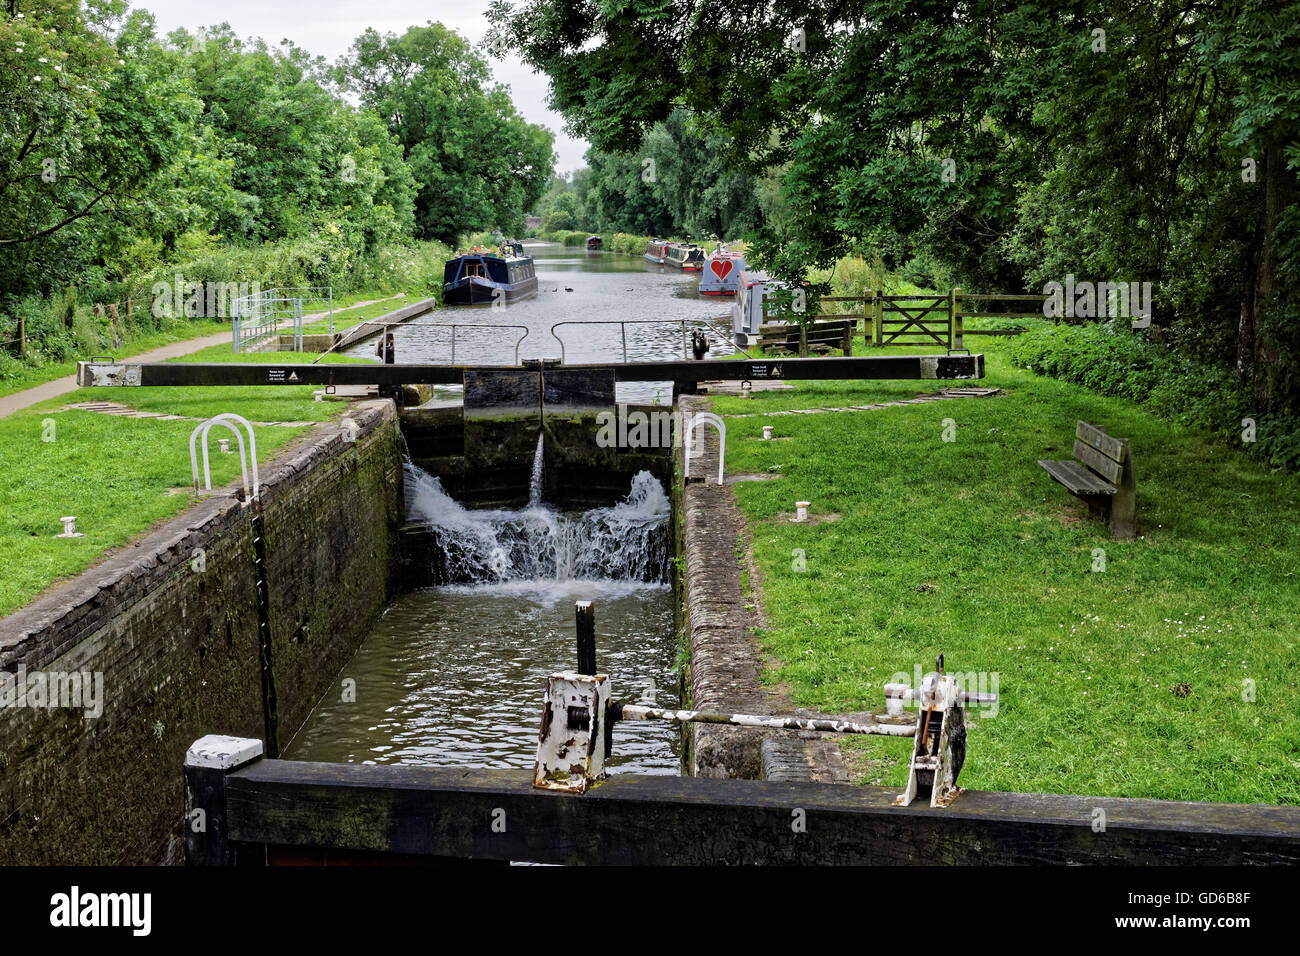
171,625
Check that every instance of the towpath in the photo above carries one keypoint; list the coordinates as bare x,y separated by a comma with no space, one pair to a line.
28,397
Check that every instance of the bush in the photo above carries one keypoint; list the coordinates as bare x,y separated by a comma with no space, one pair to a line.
1113,360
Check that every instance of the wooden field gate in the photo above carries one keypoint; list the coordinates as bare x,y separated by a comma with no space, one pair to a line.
933,320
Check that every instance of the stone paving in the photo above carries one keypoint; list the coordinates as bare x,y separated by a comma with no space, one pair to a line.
124,411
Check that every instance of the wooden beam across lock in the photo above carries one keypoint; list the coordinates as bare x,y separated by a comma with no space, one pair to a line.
384,811
874,367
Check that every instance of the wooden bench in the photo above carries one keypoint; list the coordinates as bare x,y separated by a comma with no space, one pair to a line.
792,338
1104,479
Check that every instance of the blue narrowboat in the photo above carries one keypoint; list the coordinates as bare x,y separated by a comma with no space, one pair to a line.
480,278
721,272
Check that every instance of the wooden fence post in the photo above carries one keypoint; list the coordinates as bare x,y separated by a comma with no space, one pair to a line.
586,618
955,320
879,318
22,336
209,760
803,340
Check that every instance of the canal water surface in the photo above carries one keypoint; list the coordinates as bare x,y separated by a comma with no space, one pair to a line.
453,676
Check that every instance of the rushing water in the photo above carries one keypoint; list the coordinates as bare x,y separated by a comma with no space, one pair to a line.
627,541
453,675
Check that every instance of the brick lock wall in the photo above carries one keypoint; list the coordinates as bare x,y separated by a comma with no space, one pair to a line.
178,647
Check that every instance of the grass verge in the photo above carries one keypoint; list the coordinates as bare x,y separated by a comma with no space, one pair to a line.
1170,674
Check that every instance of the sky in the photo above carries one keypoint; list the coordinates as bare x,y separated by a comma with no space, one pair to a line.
328,27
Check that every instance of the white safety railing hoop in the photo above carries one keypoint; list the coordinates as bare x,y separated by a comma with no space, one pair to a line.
706,418
207,470
252,447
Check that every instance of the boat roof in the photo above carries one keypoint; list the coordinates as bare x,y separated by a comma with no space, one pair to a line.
488,255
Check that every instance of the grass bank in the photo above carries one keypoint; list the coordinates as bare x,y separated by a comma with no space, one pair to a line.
122,476
119,476
1171,673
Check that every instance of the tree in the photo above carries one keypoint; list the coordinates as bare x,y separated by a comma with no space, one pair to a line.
89,128
476,162
1005,141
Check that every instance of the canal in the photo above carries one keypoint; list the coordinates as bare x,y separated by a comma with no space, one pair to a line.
453,675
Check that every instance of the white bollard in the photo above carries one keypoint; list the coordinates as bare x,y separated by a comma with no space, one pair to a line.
224,445
801,510
767,433
70,528
319,395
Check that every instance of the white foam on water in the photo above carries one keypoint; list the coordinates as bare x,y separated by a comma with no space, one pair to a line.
626,542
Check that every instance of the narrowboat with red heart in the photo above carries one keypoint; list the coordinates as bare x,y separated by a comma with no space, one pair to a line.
721,272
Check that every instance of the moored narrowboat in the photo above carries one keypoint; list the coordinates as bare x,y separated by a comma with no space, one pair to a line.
479,278
721,272
655,250
752,289
685,256
595,243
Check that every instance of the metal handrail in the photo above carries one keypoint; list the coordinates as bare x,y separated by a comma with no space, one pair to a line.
468,325
623,323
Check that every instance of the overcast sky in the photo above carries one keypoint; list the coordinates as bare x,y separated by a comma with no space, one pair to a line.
328,27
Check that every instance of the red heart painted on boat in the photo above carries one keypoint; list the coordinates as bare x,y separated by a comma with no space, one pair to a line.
721,267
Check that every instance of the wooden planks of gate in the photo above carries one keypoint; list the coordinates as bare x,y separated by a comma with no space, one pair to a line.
310,811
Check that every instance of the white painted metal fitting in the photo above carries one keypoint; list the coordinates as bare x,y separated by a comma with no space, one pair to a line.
767,433
224,445
319,395
70,528
801,510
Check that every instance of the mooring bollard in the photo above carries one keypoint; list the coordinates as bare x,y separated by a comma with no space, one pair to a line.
801,510
224,445
578,719
70,528
767,433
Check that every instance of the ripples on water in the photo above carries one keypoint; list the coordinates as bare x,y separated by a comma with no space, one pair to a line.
453,676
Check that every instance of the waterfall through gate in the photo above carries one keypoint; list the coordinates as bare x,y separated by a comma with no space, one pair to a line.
628,541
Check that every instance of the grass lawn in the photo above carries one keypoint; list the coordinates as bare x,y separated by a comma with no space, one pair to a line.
970,549
119,476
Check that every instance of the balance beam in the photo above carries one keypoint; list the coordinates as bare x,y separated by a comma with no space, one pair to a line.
660,820
877,367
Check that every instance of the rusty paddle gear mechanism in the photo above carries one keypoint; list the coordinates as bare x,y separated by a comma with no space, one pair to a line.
578,717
